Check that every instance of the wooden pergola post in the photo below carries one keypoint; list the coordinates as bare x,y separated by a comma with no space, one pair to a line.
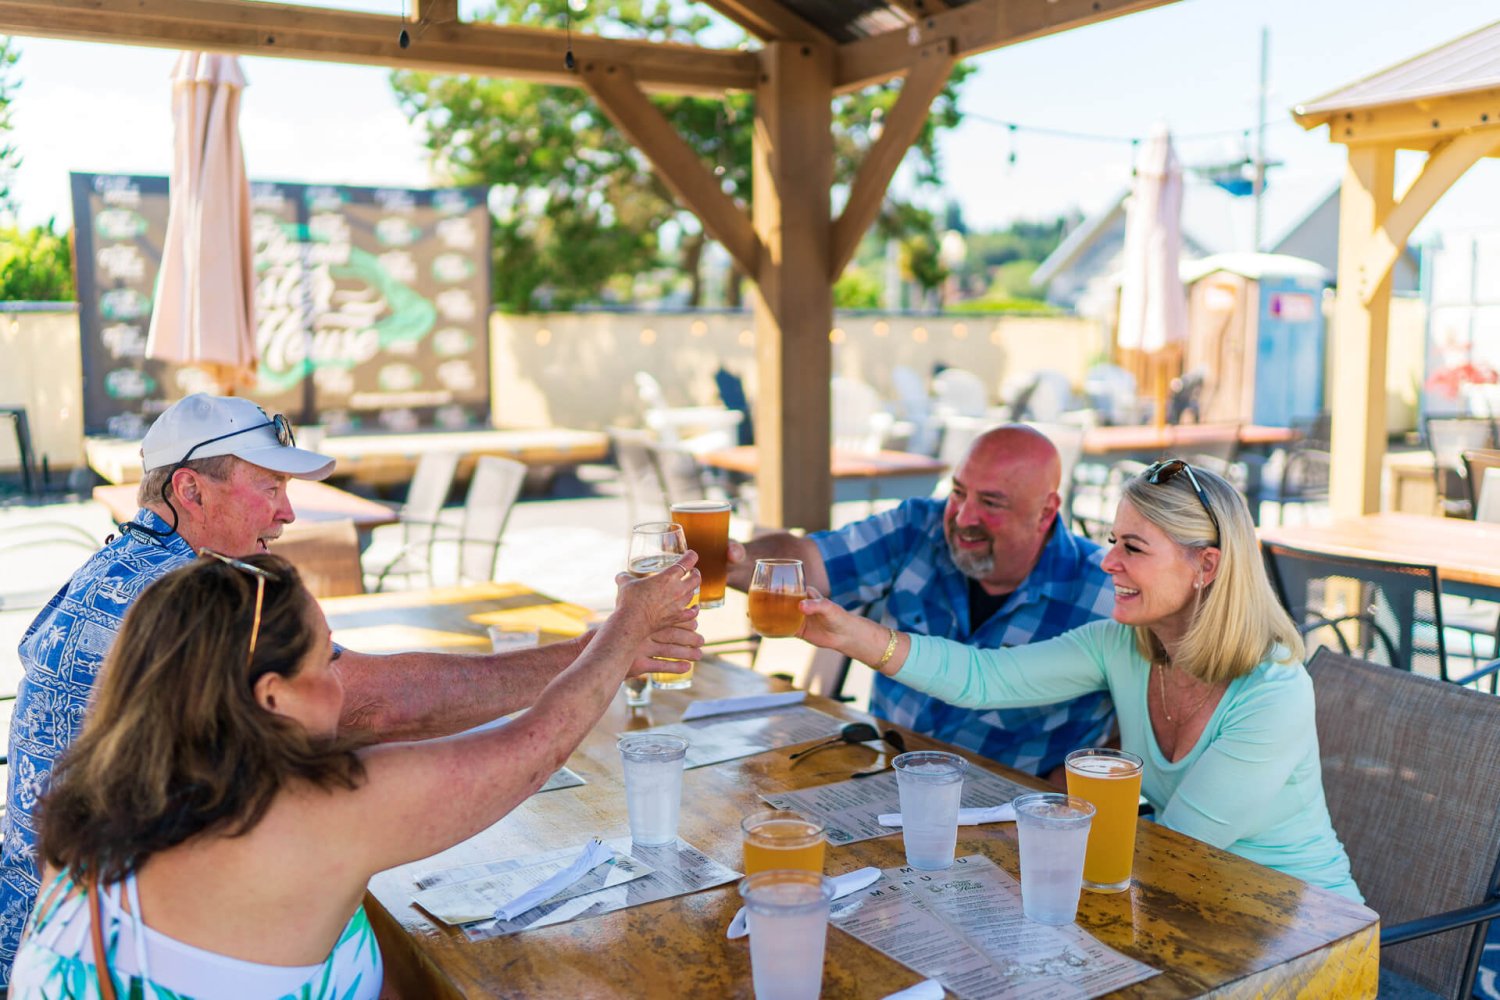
1359,336
792,164
1380,114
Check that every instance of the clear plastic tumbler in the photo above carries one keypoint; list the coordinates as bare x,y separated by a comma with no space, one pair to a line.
653,785
1054,833
931,783
787,912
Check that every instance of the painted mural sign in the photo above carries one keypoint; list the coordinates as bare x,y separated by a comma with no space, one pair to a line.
371,304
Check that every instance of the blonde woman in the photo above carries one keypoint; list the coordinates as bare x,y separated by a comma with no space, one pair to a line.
1203,664
209,834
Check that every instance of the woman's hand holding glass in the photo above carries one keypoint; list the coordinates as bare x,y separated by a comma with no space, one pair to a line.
663,603
829,626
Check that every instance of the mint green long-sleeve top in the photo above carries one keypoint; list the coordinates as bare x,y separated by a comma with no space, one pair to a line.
1252,785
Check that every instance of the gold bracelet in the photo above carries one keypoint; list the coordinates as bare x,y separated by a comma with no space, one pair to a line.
890,650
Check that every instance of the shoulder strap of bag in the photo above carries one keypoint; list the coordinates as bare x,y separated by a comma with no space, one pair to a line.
96,931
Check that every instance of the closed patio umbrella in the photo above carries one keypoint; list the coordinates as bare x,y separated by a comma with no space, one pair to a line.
1153,305
203,312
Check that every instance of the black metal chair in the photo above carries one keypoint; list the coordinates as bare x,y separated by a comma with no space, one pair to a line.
1449,438
1400,602
1411,773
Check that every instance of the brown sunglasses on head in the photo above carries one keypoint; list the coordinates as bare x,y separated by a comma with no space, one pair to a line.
261,576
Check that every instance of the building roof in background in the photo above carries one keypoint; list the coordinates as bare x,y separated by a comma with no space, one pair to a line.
1255,266
1462,66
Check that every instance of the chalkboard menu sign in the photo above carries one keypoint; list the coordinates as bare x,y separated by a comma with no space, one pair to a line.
371,305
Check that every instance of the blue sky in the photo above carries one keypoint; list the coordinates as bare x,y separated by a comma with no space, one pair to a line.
1193,65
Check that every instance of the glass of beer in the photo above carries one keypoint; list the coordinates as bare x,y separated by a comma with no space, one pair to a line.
780,839
1111,781
706,524
775,591
655,546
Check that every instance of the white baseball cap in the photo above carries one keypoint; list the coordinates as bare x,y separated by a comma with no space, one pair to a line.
204,426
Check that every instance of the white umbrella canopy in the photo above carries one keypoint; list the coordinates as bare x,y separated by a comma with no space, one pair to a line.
203,312
1153,305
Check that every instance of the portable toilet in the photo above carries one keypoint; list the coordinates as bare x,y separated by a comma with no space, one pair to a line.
1256,333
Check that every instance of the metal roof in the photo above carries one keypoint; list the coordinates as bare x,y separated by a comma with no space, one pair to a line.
851,20
1461,66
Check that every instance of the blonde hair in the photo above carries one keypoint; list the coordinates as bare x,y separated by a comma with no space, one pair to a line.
1238,621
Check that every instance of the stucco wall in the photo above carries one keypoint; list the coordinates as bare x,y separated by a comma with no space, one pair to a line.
41,369
577,369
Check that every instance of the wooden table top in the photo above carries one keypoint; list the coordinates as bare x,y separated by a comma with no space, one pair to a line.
312,501
1210,921
1464,551
843,464
1107,440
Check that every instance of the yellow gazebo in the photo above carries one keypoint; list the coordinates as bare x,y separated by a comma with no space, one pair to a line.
786,238
1446,103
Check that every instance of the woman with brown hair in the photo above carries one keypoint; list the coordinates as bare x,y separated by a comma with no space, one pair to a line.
209,834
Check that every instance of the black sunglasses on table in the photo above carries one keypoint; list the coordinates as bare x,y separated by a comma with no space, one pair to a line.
1167,470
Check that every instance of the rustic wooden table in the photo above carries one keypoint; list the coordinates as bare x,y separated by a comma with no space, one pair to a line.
1213,923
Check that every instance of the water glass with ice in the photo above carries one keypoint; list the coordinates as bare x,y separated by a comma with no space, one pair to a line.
1054,833
787,913
653,785
931,782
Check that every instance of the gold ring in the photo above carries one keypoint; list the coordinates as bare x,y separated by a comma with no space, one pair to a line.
685,574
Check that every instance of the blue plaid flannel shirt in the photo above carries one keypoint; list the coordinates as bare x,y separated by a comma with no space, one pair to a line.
61,654
901,557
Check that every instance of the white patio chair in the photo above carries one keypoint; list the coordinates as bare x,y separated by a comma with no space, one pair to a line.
696,428
959,392
860,422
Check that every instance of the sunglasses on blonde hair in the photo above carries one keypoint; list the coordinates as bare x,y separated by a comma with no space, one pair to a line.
1167,470
261,576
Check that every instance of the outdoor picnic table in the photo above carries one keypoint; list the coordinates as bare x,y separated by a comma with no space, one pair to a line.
857,476
1466,553
1149,442
1211,922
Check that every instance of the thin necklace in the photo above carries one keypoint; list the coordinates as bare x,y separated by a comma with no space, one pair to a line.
1161,681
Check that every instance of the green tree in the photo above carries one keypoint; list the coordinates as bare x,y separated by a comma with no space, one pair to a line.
35,265
579,204
10,156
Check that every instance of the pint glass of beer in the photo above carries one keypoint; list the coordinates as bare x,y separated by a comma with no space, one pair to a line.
655,546
776,589
1111,781
706,524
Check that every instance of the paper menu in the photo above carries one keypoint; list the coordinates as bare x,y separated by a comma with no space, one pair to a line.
468,900
675,870
964,926
851,809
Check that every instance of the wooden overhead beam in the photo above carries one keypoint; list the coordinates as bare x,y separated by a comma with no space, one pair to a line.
677,163
769,20
975,27
929,73
1445,165
1417,124
434,11
269,29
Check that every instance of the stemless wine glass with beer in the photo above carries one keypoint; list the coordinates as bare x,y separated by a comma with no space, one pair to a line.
655,546
776,589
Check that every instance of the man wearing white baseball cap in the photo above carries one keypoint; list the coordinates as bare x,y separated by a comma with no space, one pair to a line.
215,476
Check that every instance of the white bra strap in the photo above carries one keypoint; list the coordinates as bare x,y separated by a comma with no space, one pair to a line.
138,928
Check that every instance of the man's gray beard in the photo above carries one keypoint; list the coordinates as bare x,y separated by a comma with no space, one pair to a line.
974,565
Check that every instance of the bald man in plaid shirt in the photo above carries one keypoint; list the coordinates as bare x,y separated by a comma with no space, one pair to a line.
992,565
